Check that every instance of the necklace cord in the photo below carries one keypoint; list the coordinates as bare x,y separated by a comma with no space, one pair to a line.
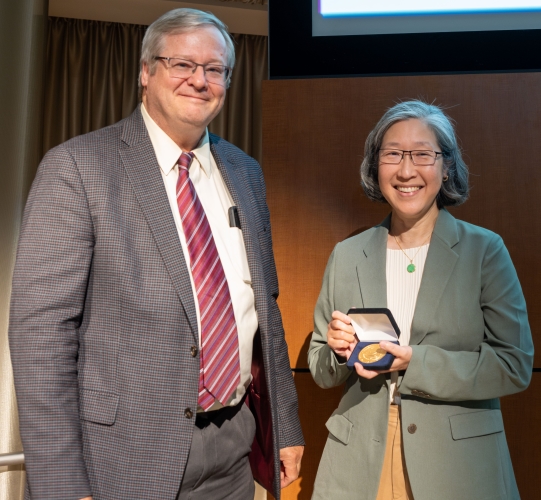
418,250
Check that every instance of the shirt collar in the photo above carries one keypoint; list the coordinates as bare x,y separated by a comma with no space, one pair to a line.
168,152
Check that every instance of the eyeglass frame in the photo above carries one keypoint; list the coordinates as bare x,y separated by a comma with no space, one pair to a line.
168,59
404,152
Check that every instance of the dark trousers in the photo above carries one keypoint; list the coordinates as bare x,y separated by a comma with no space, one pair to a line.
218,467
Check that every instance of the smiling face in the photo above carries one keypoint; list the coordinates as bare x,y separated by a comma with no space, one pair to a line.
411,190
183,107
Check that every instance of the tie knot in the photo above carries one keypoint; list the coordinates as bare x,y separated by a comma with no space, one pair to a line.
185,160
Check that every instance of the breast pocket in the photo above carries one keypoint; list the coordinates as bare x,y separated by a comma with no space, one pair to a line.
237,253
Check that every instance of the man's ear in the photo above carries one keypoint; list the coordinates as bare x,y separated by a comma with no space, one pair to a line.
145,73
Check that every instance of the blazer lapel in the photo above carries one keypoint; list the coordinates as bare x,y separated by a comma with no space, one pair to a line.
233,178
142,167
440,262
371,268
371,271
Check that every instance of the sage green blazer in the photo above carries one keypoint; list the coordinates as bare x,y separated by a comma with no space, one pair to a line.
471,345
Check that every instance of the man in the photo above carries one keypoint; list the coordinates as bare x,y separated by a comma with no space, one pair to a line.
145,290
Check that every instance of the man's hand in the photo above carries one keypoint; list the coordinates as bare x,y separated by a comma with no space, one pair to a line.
290,464
86,498
402,360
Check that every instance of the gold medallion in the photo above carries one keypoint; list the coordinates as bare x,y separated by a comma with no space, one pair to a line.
371,353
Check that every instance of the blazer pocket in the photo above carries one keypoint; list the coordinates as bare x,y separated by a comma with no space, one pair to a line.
340,427
479,423
98,406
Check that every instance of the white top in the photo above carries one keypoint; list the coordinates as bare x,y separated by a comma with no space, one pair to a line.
402,290
216,201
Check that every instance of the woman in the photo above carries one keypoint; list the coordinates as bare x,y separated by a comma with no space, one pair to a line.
430,427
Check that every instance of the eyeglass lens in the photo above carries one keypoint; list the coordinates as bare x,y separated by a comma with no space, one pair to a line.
181,68
395,156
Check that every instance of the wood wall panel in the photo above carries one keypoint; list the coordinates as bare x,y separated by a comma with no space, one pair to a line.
313,141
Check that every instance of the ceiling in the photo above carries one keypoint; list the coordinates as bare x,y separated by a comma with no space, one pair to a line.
237,4
240,17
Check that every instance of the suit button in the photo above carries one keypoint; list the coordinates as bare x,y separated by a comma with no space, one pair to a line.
331,370
188,413
193,351
412,428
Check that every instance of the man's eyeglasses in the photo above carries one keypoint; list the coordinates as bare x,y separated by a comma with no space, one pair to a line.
418,157
182,68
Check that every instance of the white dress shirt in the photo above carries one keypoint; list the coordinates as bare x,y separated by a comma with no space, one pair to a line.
216,200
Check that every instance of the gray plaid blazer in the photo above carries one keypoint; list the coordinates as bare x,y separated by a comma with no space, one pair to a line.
103,319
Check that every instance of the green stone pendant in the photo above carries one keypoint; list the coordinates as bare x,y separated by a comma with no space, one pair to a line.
411,268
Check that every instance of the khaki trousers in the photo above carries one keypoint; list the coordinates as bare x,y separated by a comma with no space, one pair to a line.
394,483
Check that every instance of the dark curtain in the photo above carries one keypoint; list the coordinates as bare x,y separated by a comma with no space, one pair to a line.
92,74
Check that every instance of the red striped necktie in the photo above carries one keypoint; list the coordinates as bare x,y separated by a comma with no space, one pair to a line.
219,373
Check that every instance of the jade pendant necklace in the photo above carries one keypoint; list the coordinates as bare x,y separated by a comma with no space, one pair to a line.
411,266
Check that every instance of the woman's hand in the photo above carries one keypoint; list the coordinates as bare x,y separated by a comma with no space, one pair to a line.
341,335
402,359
